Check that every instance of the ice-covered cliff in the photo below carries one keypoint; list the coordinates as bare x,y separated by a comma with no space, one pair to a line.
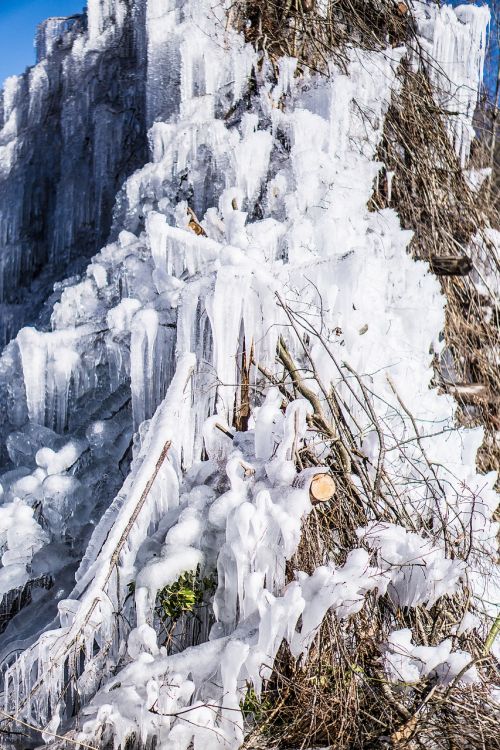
251,323
72,128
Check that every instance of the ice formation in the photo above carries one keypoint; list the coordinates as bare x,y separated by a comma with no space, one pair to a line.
454,40
77,118
407,663
129,388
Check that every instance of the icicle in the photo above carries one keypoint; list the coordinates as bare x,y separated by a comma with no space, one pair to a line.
179,251
34,359
340,102
286,73
456,51
50,364
389,177
94,613
151,354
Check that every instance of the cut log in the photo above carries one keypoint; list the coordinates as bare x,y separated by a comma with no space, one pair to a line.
450,266
319,481
322,488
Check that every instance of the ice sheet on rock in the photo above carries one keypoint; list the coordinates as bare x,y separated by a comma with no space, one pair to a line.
162,460
104,15
57,193
454,40
22,446
51,366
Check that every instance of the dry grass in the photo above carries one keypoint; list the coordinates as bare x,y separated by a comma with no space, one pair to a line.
433,199
340,697
429,190
297,28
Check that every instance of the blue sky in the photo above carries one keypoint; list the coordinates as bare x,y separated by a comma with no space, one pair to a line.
18,22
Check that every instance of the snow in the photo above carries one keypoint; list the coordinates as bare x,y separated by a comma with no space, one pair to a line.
136,379
419,572
407,663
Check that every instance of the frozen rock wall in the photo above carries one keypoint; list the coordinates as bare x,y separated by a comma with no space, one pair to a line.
72,129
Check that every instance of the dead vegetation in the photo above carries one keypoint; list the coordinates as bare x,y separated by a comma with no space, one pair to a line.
428,187
432,198
317,33
340,696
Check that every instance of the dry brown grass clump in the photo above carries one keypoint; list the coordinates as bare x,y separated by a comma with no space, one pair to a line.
340,696
432,197
299,28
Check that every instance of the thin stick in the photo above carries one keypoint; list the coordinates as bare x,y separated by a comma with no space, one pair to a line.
224,430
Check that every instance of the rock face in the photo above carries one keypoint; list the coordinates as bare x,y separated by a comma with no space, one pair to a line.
72,129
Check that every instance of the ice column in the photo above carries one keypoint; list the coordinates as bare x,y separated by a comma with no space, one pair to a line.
151,363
